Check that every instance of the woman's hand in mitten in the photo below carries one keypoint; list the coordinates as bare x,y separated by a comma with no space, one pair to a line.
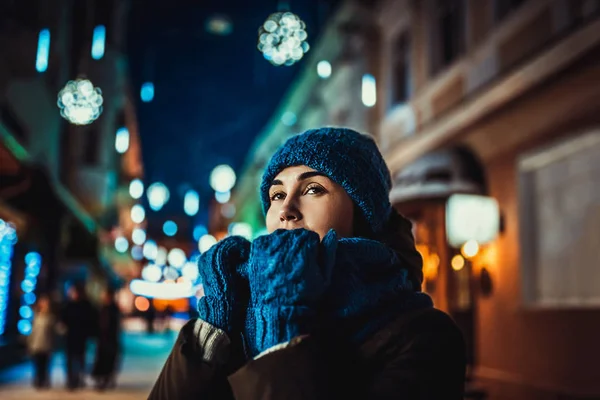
288,272
225,294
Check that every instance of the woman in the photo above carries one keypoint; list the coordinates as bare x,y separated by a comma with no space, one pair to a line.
108,346
41,342
328,304
78,319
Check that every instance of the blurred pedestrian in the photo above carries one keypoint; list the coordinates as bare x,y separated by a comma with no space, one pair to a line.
150,316
41,342
169,313
78,317
108,349
328,304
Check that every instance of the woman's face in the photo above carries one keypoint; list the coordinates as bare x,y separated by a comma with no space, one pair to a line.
304,198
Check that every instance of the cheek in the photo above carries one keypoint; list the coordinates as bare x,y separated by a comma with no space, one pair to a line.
335,214
272,219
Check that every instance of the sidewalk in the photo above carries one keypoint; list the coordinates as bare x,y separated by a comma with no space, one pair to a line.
143,359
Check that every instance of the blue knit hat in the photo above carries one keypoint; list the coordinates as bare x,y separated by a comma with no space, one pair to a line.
350,159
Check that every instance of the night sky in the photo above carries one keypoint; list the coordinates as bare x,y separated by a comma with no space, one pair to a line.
213,94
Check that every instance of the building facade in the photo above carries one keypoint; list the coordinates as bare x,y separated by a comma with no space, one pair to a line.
497,100
61,184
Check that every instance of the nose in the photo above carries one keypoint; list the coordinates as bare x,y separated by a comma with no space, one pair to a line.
289,213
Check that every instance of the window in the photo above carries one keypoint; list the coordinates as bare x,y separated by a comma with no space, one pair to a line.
559,196
401,69
448,33
502,8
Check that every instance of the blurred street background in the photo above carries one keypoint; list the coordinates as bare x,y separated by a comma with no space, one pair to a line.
139,370
133,135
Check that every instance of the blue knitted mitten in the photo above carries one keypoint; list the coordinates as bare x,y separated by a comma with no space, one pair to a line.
288,273
221,304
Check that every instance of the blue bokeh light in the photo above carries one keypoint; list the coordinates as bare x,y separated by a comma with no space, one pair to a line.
29,298
26,312
98,42
147,92
121,244
199,231
32,258
170,228
24,327
28,285
122,140
43,51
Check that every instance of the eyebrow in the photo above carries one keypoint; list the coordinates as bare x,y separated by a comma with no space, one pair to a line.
301,177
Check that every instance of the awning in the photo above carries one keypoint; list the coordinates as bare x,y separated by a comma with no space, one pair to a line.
439,174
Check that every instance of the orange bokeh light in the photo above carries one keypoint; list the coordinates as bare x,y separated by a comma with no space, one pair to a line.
141,303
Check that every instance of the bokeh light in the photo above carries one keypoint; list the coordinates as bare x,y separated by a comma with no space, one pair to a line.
190,271
141,303
152,273
222,197
136,188
324,69
191,202
161,256
241,229
199,231
138,236
176,257
150,250
138,214
170,273
137,253
121,244
457,262
170,228
158,195
222,178
206,242
470,249
147,92
80,102
282,38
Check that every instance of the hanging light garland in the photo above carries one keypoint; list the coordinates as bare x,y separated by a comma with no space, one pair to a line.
282,38
80,102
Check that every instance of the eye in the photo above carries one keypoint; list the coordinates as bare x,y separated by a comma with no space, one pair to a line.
277,196
314,189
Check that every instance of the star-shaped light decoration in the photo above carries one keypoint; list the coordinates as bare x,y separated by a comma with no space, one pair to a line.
80,102
282,37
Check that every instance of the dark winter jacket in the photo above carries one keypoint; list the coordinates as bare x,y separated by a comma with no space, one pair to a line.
79,317
419,355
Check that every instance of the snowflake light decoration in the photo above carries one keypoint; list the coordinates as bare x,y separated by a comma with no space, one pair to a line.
80,102
282,37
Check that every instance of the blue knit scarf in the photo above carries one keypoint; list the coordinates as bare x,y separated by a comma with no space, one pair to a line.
370,287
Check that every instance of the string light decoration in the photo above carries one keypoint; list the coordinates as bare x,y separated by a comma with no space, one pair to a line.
8,238
80,102
282,38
